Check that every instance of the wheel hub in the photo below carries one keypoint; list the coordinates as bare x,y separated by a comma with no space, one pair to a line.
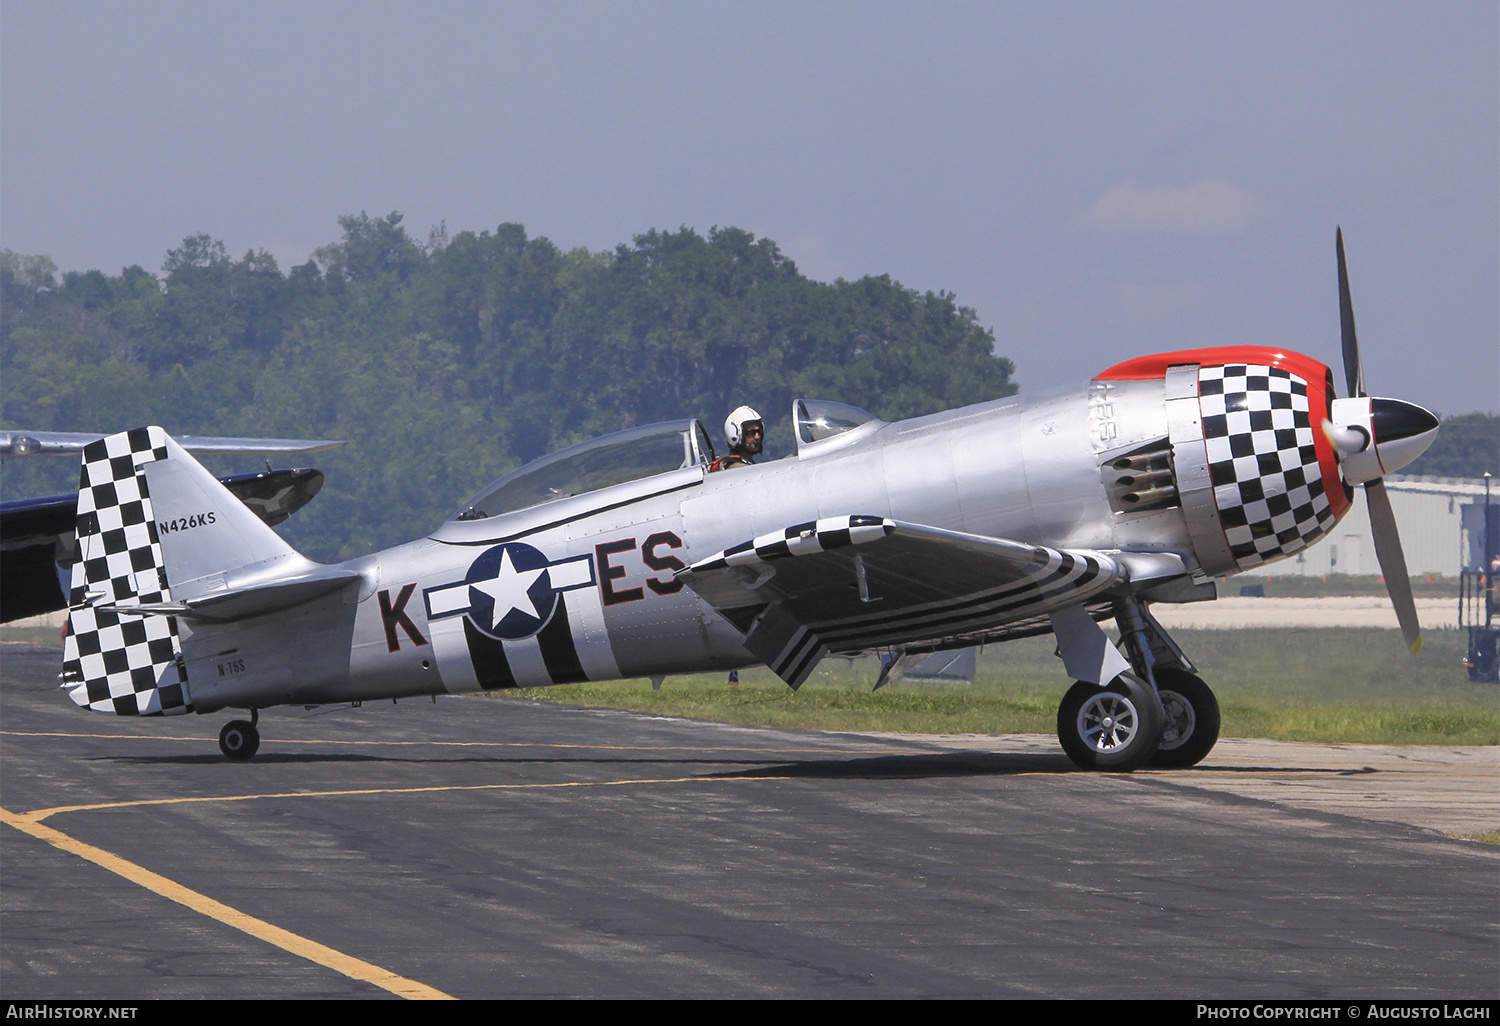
1180,720
1107,722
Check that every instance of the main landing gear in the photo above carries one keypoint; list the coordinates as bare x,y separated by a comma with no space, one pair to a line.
1114,728
1192,719
239,739
1130,723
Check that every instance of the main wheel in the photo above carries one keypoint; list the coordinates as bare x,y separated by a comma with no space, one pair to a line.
239,739
1114,728
1192,715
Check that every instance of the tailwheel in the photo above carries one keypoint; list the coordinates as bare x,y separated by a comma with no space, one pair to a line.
1192,715
239,739
1114,728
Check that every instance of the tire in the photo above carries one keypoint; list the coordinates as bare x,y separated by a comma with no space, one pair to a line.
239,740
1115,728
1191,727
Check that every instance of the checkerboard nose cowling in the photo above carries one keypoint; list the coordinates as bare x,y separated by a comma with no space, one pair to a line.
1263,459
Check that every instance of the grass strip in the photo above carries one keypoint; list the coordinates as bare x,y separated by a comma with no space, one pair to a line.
1346,685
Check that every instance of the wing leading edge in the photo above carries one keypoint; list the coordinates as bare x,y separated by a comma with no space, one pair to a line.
842,584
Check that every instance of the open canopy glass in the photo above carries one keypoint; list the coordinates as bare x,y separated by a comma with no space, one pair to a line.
609,460
818,419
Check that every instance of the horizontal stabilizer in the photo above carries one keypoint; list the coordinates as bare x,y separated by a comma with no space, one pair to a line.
251,600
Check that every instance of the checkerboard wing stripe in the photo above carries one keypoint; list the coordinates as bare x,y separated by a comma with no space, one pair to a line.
799,540
1263,461
113,661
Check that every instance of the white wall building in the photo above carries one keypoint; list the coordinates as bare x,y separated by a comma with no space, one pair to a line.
1442,530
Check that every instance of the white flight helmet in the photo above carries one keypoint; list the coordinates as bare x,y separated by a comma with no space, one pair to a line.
734,425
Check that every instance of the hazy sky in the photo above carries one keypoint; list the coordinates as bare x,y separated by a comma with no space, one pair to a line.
1097,180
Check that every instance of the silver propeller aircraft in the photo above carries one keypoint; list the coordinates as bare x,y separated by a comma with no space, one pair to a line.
624,557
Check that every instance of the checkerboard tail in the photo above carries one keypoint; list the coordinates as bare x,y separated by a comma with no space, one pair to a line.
114,660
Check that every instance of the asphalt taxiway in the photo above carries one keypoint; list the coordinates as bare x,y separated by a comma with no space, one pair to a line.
476,847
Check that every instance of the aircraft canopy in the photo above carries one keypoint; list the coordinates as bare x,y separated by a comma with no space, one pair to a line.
817,420
608,460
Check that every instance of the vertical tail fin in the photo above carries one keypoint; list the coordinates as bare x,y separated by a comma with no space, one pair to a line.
209,540
116,661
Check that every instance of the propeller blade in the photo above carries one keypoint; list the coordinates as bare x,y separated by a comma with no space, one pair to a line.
1354,372
1393,563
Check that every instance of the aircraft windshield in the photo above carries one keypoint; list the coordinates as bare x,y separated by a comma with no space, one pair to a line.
586,467
818,419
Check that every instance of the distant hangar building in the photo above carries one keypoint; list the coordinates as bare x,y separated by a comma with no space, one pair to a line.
1442,530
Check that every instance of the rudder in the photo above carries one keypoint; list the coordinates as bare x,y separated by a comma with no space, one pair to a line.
113,660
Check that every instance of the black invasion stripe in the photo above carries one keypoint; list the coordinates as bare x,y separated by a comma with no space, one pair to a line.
797,653
809,662
559,653
973,610
948,605
904,633
810,650
794,651
1065,576
955,627
488,656
1010,606
1001,593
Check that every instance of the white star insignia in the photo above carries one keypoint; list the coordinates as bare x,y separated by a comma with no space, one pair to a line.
508,589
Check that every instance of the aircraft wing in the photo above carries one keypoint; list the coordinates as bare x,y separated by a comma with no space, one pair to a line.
15,444
842,584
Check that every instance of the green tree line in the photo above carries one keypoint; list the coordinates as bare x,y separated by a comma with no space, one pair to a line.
449,362
1466,446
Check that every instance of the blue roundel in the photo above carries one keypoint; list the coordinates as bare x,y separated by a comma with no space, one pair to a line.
510,591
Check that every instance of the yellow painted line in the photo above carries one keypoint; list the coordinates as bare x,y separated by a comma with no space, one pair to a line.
311,950
480,744
41,814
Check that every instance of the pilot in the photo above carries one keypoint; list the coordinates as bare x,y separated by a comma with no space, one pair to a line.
746,432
